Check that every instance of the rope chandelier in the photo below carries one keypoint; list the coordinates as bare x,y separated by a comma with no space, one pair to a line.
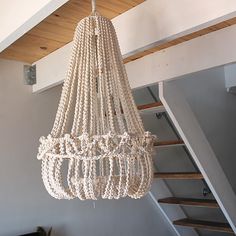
98,147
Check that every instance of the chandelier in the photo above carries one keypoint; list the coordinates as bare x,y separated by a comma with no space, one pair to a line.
98,147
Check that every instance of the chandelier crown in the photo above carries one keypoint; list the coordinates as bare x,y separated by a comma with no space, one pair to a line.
98,134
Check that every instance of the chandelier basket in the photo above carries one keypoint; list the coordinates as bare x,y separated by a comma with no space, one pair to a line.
98,147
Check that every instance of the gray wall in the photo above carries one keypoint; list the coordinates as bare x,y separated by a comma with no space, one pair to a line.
215,109
24,203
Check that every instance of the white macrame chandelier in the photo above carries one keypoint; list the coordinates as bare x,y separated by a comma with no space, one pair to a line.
98,147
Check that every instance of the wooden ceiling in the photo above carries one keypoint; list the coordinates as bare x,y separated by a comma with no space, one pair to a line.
57,29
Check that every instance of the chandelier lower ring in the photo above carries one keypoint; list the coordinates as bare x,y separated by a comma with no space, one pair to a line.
107,166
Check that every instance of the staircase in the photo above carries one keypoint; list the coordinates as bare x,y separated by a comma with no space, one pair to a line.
158,110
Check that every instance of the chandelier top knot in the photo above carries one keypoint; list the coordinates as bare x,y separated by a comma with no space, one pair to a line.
98,147
93,5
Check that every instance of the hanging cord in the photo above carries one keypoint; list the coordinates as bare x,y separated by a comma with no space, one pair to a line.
93,5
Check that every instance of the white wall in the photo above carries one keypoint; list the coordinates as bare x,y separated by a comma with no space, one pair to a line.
24,202
156,21
230,76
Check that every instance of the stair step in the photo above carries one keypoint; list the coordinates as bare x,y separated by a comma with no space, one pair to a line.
178,175
190,202
150,105
169,143
155,107
207,225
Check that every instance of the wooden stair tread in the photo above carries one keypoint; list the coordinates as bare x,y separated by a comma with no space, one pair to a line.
201,224
178,175
190,202
168,143
150,105
160,143
155,107
151,108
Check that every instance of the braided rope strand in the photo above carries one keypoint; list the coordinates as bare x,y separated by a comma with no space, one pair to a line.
106,150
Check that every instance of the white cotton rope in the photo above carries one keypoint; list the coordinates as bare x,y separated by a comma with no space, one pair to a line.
93,2
98,147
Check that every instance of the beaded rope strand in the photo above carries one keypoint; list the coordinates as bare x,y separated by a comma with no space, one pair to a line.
98,147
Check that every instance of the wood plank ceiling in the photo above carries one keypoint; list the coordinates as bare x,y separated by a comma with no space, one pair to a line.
57,29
